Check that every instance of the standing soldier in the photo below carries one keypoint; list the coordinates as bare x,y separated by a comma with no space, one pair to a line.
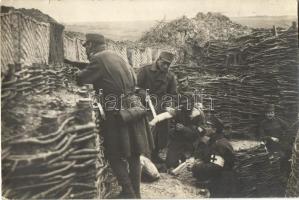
160,82
124,140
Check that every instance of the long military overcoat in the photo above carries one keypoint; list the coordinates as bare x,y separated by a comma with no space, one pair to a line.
159,84
109,72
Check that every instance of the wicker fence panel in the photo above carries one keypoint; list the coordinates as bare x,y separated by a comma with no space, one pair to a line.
34,40
293,183
74,50
119,49
7,47
56,43
55,158
69,47
23,40
81,51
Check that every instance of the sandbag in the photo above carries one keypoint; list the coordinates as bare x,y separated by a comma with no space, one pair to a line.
149,170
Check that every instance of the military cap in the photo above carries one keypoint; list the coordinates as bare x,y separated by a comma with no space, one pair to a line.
94,37
166,56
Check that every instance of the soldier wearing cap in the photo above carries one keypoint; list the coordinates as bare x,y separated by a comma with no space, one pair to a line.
188,122
183,84
217,155
123,141
159,81
272,130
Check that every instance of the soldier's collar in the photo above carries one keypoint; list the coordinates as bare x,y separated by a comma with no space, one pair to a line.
154,67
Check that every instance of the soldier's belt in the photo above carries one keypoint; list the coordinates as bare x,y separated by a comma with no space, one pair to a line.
132,114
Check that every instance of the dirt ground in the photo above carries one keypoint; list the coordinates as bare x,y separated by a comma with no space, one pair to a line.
169,186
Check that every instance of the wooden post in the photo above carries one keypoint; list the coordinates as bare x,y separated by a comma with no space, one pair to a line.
274,31
294,25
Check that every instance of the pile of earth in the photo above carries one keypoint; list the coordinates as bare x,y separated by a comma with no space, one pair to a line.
197,30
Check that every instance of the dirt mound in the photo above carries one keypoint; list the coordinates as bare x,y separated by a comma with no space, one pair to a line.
198,30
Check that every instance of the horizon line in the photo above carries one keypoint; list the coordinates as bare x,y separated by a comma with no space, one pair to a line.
140,20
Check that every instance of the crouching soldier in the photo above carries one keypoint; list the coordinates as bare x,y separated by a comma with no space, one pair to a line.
217,156
188,120
272,130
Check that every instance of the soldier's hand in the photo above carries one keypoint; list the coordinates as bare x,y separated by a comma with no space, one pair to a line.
152,123
274,139
200,129
266,139
170,110
179,126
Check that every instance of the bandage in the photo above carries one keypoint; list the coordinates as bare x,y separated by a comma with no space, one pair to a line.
160,117
274,139
195,112
218,160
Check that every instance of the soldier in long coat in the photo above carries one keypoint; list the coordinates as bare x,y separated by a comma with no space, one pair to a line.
159,81
124,141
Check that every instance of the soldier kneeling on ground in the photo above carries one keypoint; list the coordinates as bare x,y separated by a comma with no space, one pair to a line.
188,121
216,154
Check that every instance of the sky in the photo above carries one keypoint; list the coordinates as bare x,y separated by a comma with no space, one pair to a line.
67,11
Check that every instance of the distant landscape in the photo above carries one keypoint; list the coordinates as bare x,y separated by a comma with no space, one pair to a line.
126,30
265,21
132,30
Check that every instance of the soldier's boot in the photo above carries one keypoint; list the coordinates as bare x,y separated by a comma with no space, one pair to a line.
119,167
127,192
135,174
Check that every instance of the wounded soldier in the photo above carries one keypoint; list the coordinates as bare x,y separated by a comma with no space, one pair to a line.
188,118
187,130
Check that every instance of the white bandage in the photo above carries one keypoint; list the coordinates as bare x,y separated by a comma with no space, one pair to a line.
160,117
274,139
199,129
195,112
218,160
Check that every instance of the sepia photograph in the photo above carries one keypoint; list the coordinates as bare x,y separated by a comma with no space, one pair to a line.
160,99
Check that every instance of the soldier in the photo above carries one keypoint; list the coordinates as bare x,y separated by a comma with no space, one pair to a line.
124,140
160,82
272,130
217,157
183,84
187,130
